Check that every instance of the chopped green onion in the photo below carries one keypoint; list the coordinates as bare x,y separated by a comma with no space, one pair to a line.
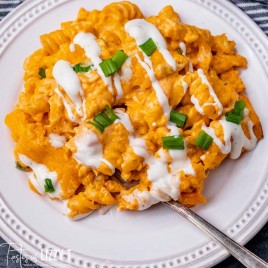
240,105
203,140
49,188
110,113
148,47
239,108
234,118
42,73
104,119
178,118
79,68
97,126
179,50
119,58
108,67
20,167
173,142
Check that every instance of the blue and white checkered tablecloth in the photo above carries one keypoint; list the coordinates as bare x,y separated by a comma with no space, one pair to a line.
258,11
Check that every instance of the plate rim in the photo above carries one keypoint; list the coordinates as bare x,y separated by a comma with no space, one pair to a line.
26,12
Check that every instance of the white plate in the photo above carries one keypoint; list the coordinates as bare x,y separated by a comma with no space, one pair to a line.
237,192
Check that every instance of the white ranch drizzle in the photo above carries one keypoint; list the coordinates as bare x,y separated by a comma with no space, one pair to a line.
89,150
217,102
181,162
234,138
56,140
203,157
239,139
141,31
191,68
72,47
126,70
67,78
67,211
38,176
211,131
67,107
37,186
118,86
183,48
184,85
145,199
105,161
88,42
161,96
198,107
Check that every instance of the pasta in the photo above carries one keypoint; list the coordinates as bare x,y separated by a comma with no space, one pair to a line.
118,109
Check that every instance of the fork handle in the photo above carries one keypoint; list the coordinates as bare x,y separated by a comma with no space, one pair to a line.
245,256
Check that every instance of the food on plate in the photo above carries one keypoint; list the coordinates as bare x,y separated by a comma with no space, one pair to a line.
119,109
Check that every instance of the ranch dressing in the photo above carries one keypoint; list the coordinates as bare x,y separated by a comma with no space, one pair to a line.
141,31
234,138
67,107
126,70
195,101
89,150
67,78
88,42
38,176
182,46
56,140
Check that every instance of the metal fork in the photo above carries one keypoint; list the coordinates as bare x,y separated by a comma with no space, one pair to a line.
242,254
246,257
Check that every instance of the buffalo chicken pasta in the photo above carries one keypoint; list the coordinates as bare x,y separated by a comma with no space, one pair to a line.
119,109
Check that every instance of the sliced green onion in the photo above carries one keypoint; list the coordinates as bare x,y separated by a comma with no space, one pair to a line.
20,167
239,108
234,118
178,118
148,47
108,67
79,68
110,113
173,142
49,188
119,58
179,50
240,105
104,119
42,73
97,126
203,140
